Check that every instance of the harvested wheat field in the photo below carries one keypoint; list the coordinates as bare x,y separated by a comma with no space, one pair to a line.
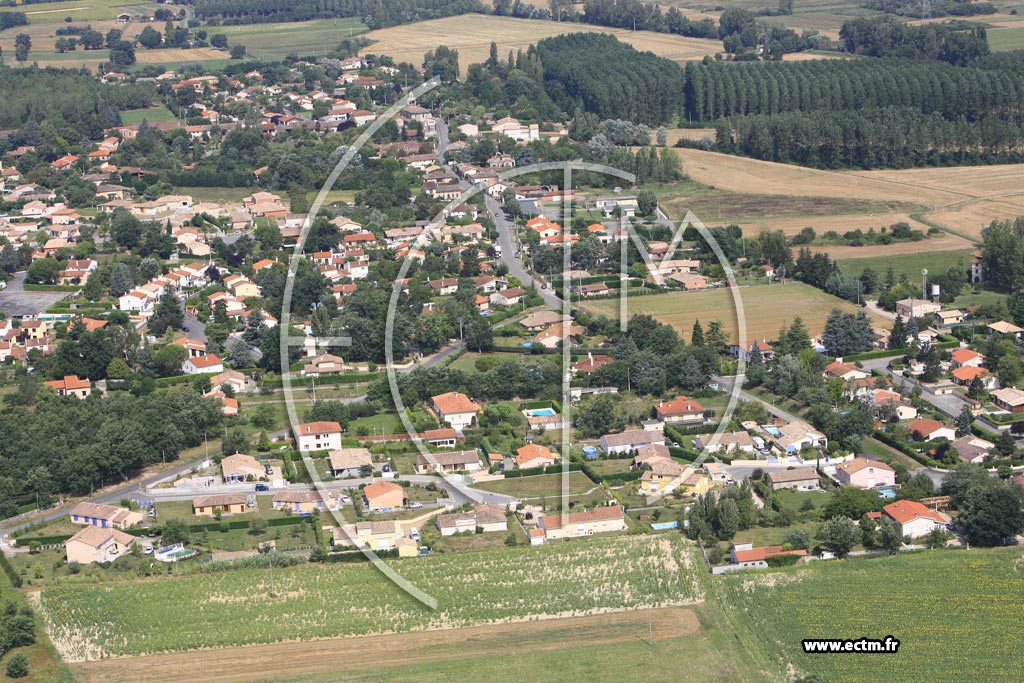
472,34
307,659
192,54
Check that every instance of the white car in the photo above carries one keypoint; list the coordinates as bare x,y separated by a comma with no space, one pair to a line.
415,506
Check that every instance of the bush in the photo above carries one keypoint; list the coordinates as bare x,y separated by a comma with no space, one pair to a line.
17,666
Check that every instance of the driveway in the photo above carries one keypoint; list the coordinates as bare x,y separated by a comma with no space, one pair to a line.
15,301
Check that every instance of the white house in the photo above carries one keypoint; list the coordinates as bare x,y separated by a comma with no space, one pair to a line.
318,436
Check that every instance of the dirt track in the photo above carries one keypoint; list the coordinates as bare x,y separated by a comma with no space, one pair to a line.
237,665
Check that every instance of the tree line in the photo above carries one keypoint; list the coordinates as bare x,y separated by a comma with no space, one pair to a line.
888,137
375,13
886,36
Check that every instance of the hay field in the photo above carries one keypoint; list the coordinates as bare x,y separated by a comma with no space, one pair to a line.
274,41
472,34
766,307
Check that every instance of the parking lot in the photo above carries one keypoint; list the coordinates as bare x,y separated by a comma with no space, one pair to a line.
16,302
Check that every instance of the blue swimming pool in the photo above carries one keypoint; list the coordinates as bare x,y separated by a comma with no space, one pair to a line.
541,411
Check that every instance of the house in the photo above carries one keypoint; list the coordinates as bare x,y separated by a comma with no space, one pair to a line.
844,371
726,441
305,502
966,358
682,410
350,462
557,334
924,429
104,516
881,399
71,386
508,297
588,291
650,453
323,365
203,364
453,461
915,519
865,474
534,455
383,496
542,319
916,308
1008,399
630,440
665,476
973,449
576,524
318,436
485,517
225,503
1005,328
94,544
591,364
947,318
375,535
747,556
964,376
238,382
456,409
443,438
746,352
799,478
240,467
795,436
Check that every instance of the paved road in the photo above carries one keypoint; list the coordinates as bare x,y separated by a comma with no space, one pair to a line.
950,405
15,301
196,328
506,230
726,383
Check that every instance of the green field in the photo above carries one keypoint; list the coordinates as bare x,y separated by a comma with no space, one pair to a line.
312,601
766,308
306,38
152,115
955,613
889,454
909,264
1006,39
539,486
87,10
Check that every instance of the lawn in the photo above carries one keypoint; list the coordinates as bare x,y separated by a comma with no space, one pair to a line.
467,361
955,613
218,195
220,609
272,42
795,499
769,535
539,486
766,307
611,466
131,117
909,264
889,454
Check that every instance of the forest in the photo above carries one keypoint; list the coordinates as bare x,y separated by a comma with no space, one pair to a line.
887,36
375,13
70,445
915,9
71,104
610,79
715,89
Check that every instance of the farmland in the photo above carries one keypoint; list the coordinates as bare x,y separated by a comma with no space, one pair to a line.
152,115
539,486
472,34
597,648
879,597
234,608
275,41
767,308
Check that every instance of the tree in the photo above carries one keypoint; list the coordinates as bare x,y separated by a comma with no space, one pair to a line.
149,38
991,513
962,479
728,519
838,535
898,336
235,441
238,52
149,268
257,525
964,421
122,53
175,530
22,44
598,417
168,313
219,41
662,136
646,202
697,334
889,535
44,271
936,538
852,502
239,354
17,665
797,538
868,532
170,358
121,281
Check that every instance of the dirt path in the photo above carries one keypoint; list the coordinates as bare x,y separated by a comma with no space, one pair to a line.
261,662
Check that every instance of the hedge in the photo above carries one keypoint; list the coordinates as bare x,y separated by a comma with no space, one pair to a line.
905,449
611,479
983,433
349,378
358,556
51,288
946,343
9,570
549,469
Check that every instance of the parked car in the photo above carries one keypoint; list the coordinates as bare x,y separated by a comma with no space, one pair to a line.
415,506
262,487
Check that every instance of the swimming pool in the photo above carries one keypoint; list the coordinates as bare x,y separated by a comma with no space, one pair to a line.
540,411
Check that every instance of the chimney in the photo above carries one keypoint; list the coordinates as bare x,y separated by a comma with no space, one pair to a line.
590,357
839,360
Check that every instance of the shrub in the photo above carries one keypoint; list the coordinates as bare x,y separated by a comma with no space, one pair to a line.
17,666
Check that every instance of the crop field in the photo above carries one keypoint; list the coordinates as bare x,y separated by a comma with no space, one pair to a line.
84,10
605,648
152,115
961,200
471,35
235,608
767,308
826,16
955,613
1005,38
539,486
908,263
305,38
